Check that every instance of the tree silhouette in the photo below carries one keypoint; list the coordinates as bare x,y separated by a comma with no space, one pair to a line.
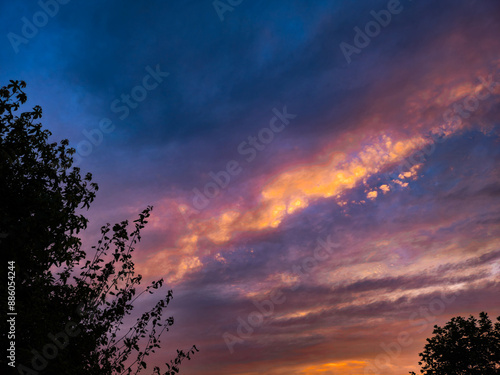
463,347
70,309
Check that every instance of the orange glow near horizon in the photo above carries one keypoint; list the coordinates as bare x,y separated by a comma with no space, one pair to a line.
338,368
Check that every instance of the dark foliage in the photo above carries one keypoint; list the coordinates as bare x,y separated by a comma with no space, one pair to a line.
64,299
463,347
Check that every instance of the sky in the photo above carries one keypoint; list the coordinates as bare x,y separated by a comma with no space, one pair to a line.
324,174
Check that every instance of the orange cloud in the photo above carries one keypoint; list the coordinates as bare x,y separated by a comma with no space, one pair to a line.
293,190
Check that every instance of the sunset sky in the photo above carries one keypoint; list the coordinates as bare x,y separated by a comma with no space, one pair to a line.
324,174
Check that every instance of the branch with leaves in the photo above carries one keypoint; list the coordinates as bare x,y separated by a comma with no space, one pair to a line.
110,286
41,194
